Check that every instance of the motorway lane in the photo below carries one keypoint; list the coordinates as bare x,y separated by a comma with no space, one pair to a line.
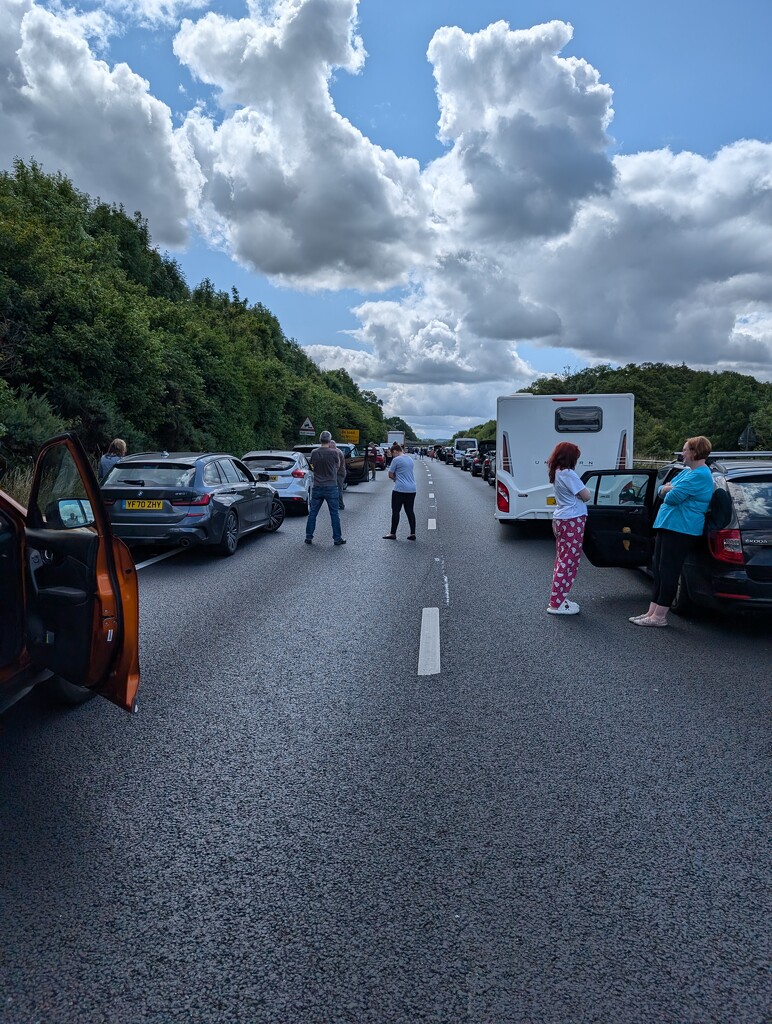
298,828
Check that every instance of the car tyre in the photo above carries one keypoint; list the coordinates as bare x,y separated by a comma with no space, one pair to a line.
230,534
277,517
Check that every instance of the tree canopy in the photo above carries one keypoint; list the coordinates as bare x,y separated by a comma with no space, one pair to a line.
100,333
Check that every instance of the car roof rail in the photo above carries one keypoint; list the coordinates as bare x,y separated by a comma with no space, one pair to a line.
722,456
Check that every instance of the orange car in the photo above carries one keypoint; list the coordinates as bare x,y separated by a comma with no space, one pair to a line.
69,611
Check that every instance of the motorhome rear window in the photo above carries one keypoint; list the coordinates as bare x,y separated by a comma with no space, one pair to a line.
584,419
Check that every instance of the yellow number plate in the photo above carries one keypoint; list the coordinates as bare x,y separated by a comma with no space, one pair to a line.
551,501
273,478
143,506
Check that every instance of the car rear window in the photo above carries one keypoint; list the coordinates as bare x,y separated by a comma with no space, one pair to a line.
149,474
266,462
752,497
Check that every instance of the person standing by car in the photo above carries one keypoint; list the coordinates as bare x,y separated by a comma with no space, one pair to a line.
325,464
403,495
341,474
114,454
568,522
678,527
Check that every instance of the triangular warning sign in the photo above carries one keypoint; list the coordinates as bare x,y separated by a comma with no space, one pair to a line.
307,424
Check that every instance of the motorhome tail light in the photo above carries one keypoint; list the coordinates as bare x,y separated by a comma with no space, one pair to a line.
506,462
200,499
726,546
298,473
572,399
502,497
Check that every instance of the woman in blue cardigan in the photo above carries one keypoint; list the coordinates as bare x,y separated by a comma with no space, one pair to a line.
679,525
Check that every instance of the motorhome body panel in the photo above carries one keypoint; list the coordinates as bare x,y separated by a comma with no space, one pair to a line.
529,426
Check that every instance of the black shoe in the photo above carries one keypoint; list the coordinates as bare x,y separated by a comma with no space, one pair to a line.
337,543
340,507
309,540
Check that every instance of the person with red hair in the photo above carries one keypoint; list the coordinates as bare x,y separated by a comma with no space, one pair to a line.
568,523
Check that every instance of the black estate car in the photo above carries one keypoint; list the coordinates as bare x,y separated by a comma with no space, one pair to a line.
189,498
730,568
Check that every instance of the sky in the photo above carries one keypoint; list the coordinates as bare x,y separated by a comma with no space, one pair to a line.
447,198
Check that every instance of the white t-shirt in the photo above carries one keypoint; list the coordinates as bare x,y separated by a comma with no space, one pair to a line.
567,486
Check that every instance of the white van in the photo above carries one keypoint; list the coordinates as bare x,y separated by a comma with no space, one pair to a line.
529,426
461,445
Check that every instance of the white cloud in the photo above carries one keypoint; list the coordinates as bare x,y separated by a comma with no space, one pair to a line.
100,125
525,229
292,188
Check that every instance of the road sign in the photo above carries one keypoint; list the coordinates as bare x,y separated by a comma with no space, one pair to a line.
307,428
349,435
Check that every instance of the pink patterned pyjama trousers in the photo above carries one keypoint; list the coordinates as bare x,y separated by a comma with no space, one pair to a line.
569,534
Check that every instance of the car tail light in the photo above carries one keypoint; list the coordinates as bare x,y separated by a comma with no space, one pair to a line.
298,473
502,497
726,546
201,499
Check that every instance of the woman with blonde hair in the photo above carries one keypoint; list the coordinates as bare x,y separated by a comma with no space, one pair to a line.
679,525
114,454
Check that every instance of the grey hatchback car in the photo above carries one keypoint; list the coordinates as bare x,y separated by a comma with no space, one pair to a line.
186,498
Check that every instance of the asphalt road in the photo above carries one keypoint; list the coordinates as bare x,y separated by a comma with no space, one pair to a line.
567,823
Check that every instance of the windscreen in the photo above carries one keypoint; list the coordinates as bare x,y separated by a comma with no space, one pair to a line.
465,444
148,474
752,498
264,463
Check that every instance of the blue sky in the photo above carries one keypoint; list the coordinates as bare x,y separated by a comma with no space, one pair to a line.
539,232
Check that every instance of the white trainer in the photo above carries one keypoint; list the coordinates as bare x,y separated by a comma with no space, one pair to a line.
566,608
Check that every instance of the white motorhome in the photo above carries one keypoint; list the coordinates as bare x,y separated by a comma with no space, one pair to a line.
529,426
461,445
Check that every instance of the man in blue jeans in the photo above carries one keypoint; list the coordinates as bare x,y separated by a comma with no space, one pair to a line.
325,463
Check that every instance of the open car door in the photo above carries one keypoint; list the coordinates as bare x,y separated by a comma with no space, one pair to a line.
620,514
80,585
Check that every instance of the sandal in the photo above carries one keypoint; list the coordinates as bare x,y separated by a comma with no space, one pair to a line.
389,536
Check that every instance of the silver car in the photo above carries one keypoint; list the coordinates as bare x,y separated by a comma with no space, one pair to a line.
288,473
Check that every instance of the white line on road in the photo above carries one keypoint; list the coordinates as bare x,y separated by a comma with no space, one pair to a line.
158,558
429,651
431,495
432,524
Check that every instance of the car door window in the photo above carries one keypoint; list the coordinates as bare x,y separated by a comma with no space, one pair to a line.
615,489
228,471
242,476
212,475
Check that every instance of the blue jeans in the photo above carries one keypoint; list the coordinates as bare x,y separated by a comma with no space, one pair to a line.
319,495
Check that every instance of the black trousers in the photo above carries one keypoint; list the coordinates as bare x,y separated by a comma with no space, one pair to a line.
670,551
400,500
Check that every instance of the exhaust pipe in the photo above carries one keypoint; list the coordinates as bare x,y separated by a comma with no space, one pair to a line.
185,542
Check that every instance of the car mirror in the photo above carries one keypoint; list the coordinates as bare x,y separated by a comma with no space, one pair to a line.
73,512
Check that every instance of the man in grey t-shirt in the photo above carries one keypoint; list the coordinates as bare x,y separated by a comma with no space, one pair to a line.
325,464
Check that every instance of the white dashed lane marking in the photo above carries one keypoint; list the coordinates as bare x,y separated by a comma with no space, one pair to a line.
158,558
432,524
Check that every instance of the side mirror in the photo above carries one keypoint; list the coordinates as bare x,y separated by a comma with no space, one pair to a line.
72,513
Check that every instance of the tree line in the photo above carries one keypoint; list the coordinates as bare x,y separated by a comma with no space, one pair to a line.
100,333
671,404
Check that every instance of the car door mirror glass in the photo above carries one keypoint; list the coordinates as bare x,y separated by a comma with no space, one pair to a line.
72,513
